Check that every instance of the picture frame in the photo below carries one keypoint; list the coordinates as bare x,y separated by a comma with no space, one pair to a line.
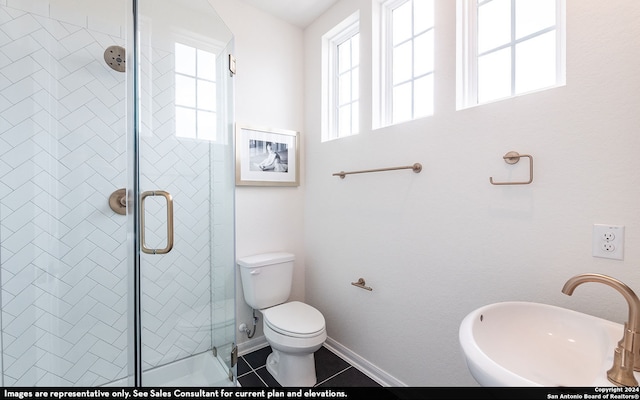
267,156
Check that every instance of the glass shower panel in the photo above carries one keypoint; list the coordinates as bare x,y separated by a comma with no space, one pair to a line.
63,251
186,155
66,255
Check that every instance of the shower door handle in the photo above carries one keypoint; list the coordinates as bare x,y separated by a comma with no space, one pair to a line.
169,200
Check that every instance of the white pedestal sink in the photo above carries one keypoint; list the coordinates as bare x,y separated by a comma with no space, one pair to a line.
534,344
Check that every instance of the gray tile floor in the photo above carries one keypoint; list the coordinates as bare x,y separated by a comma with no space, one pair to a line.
331,370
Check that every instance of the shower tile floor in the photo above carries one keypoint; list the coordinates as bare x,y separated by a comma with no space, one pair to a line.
331,370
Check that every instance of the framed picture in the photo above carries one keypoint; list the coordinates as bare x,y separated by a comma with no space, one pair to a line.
266,157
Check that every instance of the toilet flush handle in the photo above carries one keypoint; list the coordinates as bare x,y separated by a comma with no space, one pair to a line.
255,271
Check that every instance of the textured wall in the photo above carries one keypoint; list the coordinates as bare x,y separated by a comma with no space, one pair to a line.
438,244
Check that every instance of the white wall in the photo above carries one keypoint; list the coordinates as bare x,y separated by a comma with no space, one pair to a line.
269,93
438,244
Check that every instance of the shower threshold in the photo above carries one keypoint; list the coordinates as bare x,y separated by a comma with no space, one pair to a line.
202,370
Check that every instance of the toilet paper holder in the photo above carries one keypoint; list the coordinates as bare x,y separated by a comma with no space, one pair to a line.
361,284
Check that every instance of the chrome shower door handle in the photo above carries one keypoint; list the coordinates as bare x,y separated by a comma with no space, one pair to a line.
169,200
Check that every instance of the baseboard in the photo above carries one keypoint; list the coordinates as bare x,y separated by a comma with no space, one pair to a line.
363,365
358,362
252,345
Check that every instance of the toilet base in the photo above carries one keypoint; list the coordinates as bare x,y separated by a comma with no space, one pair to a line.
292,370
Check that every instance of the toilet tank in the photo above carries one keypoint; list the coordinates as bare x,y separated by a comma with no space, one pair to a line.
266,278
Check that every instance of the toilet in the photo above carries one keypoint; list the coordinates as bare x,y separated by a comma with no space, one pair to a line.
294,330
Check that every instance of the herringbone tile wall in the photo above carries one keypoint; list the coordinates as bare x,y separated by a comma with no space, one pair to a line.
63,252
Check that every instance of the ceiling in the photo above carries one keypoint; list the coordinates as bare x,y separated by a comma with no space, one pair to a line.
297,12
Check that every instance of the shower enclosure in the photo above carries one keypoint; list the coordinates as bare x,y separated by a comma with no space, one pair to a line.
116,194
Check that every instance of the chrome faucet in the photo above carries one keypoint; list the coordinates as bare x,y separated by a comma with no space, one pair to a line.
628,349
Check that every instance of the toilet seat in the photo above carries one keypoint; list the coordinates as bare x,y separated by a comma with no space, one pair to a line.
295,319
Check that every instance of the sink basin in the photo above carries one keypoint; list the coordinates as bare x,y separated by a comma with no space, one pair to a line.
534,344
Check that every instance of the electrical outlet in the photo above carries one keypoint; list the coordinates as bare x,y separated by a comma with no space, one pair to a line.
608,247
608,241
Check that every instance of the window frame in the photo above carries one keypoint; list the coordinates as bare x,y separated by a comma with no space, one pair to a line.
198,78
387,59
352,33
340,34
467,52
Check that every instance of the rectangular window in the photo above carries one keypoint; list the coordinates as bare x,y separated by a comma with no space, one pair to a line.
407,60
509,47
347,86
341,77
195,90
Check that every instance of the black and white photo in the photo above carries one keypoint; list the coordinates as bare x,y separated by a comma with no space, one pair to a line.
266,156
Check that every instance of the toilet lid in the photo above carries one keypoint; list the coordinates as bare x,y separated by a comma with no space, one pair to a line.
294,319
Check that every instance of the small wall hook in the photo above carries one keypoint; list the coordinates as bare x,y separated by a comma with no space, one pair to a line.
513,157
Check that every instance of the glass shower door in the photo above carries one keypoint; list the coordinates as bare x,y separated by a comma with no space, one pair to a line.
186,192
69,240
63,251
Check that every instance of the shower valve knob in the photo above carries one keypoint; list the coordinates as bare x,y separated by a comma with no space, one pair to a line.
118,201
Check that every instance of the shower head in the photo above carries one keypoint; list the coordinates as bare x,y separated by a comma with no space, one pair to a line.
115,57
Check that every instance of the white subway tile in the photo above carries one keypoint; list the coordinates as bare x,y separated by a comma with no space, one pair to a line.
106,26
64,13
40,7
21,26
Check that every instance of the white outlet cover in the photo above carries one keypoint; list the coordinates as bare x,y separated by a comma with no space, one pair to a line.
608,234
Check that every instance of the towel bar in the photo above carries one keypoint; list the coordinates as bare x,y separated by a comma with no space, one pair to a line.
513,157
417,167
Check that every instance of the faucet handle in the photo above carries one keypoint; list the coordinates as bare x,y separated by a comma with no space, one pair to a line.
621,373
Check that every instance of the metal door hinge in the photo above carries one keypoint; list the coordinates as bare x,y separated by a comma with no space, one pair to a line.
234,356
234,361
232,64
